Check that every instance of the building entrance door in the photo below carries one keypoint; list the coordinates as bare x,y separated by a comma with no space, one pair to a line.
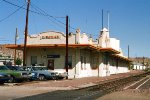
51,64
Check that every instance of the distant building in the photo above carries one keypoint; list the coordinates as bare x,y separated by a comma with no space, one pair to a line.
87,57
138,66
7,55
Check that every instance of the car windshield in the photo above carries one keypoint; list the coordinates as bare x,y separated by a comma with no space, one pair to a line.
17,68
31,68
26,68
39,68
4,68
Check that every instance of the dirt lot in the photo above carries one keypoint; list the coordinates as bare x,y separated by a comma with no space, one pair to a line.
11,91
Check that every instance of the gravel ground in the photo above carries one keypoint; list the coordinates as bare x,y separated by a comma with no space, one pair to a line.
128,95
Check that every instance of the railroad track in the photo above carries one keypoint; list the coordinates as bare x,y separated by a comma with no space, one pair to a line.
89,93
139,83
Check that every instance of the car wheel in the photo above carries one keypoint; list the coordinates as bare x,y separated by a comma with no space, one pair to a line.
54,78
42,77
11,80
1,83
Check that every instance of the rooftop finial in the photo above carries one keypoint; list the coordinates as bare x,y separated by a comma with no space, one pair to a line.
78,30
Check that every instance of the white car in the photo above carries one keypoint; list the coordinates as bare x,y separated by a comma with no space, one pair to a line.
61,74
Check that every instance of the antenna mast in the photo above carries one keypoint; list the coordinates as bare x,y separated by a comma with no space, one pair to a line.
108,19
102,19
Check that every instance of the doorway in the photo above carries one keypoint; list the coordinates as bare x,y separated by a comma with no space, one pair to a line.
51,64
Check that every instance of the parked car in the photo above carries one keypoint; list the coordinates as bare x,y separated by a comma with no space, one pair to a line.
16,68
61,74
4,77
20,69
14,74
40,73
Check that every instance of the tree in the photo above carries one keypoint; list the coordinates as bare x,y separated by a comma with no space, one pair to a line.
131,65
18,61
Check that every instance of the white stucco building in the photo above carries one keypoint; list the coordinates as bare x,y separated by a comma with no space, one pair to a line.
138,66
87,57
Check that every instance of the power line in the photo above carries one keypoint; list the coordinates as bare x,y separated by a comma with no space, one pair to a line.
71,26
1,1
45,14
42,12
11,14
13,4
39,13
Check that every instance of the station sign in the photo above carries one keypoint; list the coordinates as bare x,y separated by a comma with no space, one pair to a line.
53,56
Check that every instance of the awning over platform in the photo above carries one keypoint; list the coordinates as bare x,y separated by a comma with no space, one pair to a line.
112,51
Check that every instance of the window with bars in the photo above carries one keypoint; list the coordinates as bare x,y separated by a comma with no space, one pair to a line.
33,60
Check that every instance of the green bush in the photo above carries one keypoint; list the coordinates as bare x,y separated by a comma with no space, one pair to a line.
18,61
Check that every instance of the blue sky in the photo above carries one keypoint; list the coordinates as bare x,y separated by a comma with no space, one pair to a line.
129,20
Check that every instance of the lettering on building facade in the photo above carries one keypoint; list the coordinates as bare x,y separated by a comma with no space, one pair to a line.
50,37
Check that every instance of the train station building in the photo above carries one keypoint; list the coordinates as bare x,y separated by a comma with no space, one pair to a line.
86,57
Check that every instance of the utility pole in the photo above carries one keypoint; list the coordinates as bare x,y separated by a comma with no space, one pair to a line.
143,61
26,33
16,36
66,65
129,57
128,52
